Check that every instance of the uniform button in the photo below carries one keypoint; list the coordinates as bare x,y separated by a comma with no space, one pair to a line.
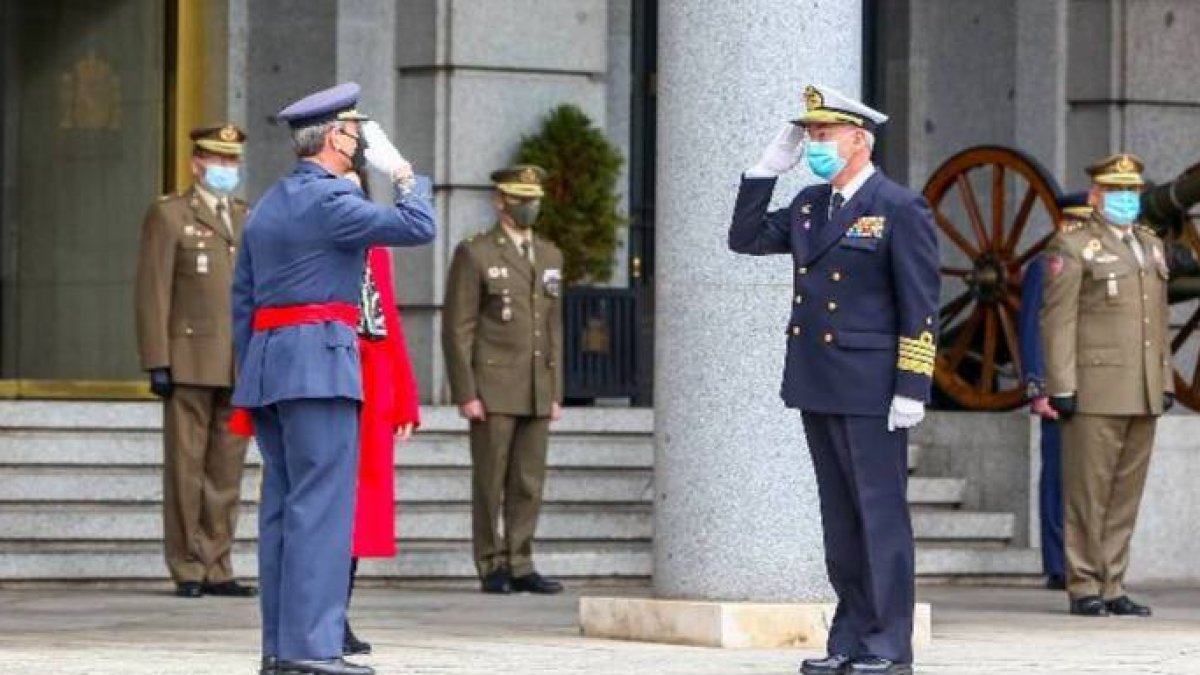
200,245
836,276
802,271
1145,297
795,330
1147,343
1147,319
537,333
232,250
188,331
828,338
537,353
536,315
799,299
832,306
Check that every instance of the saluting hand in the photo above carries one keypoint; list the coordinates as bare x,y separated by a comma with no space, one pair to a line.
382,155
473,410
782,155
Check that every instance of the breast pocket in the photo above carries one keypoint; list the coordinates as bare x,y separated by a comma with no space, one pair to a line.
499,301
195,258
1118,282
864,244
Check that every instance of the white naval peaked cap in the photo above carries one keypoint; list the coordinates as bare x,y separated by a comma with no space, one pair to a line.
826,105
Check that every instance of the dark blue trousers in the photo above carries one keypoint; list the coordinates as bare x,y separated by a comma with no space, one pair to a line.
1050,500
862,478
310,463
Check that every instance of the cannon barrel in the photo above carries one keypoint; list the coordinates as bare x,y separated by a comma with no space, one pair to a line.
1163,205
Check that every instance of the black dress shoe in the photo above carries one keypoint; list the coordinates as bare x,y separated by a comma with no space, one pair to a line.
189,589
1056,583
230,589
834,664
1123,606
536,583
351,645
330,667
1088,605
499,581
270,666
874,665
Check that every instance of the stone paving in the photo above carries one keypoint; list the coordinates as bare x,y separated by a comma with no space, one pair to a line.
997,631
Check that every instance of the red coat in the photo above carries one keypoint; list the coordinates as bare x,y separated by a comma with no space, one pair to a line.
389,401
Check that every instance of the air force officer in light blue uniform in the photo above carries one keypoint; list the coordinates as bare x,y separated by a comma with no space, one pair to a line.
295,302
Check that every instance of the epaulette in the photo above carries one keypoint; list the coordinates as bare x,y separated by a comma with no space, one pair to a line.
1146,229
1070,226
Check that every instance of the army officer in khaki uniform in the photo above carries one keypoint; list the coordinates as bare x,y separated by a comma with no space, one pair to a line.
185,267
1108,373
502,336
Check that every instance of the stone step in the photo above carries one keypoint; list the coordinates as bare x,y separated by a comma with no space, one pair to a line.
943,525
452,560
914,456
62,522
944,492
144,484
962,561
435,521
416,560
58,447
145,416
131,484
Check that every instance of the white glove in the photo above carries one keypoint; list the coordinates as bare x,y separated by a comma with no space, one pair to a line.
782,155
381,154
905,413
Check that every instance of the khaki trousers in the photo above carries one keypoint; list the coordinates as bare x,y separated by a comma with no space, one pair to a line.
1105,461
508,456
202,476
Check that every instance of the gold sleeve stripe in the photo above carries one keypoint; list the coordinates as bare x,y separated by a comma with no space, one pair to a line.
912,366
916,355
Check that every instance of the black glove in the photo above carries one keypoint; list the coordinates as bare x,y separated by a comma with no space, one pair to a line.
160,382
1168,401
1064,405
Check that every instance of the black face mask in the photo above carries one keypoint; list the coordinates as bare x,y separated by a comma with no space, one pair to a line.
358,160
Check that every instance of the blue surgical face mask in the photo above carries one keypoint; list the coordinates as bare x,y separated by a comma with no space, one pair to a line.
1122,207
223,179
823,158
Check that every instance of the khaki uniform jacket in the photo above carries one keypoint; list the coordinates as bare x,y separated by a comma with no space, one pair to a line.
1104,321
184,276
502,325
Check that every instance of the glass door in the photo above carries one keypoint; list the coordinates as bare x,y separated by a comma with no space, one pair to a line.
83,109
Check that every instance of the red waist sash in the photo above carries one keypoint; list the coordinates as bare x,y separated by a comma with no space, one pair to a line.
270,318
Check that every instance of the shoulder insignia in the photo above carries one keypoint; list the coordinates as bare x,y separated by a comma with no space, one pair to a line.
1070,226
1146,230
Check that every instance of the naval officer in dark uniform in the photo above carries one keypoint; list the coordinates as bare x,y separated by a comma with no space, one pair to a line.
296,292
860,358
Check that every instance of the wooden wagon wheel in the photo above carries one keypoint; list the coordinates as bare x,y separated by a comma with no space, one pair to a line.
983,256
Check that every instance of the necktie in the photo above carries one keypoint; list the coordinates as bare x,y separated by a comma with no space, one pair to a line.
836,205
223,215
525,250
1132,244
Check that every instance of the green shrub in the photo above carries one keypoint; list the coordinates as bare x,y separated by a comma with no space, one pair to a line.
579,211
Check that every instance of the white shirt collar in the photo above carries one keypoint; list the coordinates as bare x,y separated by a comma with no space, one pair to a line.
847,192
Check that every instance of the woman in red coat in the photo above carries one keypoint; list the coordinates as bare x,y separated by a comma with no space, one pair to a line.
389,408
